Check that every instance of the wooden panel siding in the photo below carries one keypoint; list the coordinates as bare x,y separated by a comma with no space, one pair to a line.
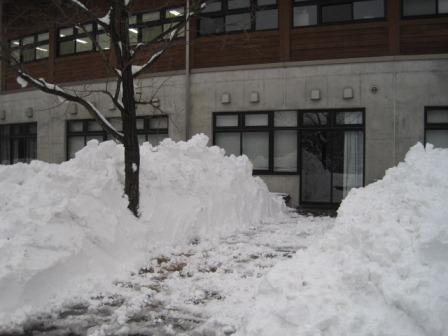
424,36
236,49
342,41
392,35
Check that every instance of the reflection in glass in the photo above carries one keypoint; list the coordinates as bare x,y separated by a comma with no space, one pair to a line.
285,151
256,147
230,142
439,138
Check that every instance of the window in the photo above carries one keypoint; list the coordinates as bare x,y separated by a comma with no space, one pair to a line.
18,143
269,139
153,129
224,16
315,12
332,155
75,40
30,48
148,27
436,126
427,7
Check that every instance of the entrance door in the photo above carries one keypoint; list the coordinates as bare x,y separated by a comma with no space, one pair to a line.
332,156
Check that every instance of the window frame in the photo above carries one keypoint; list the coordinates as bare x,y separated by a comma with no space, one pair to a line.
330,126
33,45
79,33
26,135
161,22
322,3
422,16
252,9
433,126
146,131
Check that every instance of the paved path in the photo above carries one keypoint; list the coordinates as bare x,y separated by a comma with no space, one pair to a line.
201,289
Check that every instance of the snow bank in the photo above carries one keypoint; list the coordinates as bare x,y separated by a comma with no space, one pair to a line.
383,268
65,229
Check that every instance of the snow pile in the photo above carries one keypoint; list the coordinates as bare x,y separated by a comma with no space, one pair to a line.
65,229
382,269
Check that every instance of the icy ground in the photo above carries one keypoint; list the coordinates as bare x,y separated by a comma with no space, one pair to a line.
203,288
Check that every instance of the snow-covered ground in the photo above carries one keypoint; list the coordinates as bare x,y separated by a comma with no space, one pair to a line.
215,253
203,288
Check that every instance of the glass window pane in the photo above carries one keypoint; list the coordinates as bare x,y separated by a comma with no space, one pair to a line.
141,138
28,40
175,12
74,145
210,26
439,138
347,163
133,19
316,175
349,118
133,36
315,119
260,119
15,54
67,47
229,141
212,6
14,43
230,120
285,118
158,123
66,32
419,7
86,28
156,139
100,138
438,116
256,147
92,125
84,44
336,13
168,26
42,51
285,151
103,41
140,123
234,4
267,19
368,9
28,54
443,6
75,126
305,16
117,123
266,2
149,34
43,37
153,16
238,22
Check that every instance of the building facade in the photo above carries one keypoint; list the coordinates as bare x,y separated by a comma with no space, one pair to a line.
321,95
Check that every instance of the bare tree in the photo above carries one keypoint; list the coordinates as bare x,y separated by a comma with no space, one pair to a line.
124,69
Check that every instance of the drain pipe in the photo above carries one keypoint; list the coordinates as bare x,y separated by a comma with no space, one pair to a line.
187,72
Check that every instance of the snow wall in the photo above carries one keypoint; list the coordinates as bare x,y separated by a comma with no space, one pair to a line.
382,269
65,229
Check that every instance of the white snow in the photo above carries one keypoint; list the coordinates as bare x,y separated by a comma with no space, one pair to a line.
23,83
382,269
65,231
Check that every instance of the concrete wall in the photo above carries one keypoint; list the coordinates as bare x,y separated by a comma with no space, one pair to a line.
394,112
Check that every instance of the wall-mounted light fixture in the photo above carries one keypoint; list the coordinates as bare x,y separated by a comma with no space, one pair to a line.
254,97
348,93
226,98
155,102
315,94
374,89
29,112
